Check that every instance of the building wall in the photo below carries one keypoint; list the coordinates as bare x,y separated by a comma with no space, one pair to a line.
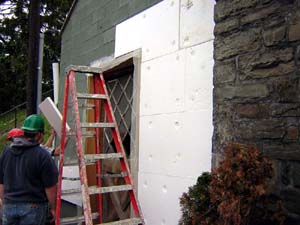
176,41
175,103
256,86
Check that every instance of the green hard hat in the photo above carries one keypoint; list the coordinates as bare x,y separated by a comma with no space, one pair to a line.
34,123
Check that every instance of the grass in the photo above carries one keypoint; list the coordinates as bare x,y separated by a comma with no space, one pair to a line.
7,122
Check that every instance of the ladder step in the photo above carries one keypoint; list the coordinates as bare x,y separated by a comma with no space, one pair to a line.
74,162
71,191
83,105
99,190
91,96
94,157
96,190
76,219
70,162
131,221
71,178
83,69
86,106
97,125
112,175
83,133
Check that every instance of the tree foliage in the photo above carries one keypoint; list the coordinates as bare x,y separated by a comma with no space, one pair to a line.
14,46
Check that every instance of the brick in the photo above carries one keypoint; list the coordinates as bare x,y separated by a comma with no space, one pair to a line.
285,110
253,130
278,70
285,89
292,133
282,151
243,91
226,26
252,110
295,176
294,32
291,199
228,8
260,14
268,63
224,72
274,36
264,59
237,43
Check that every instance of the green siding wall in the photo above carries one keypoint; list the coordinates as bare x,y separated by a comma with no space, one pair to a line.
90,31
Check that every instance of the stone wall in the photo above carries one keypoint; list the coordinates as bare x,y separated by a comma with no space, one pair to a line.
256,86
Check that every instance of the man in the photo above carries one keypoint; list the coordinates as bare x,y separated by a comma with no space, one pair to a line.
15,132
28,177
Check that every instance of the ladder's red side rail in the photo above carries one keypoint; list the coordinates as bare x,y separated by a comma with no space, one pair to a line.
119,147
97,143
62,151
82,168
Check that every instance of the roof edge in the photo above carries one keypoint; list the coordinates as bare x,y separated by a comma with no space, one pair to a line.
68,16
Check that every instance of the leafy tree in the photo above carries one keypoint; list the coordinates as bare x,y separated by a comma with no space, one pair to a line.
14,45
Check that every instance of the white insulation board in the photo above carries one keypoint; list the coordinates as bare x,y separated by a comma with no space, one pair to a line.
160,195
176,144
199,77
162,84
155,30
53,115
175,124
196,21
71,172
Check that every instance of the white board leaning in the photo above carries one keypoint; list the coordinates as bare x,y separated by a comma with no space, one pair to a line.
52,114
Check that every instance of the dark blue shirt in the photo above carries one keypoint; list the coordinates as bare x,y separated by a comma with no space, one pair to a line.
26,169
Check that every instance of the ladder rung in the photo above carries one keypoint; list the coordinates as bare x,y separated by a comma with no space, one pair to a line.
74,162
91,96
83,133
83,69
131,221
97,190
71,191
76,219
71,178
94,157
86,106
70,162
97,125
112,175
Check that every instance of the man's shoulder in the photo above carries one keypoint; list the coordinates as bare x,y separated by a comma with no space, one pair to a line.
42,150
6,148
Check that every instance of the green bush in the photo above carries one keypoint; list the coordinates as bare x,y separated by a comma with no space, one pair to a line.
236,192
197,201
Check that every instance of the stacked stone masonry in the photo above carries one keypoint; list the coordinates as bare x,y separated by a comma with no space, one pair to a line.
257,88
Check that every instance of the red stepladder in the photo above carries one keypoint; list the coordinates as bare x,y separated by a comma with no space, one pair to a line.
100,94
